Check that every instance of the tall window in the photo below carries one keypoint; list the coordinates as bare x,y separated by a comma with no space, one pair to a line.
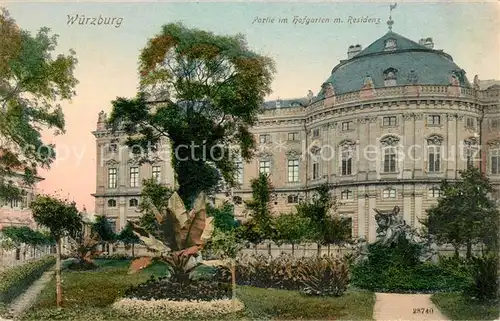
347,125
265,167
315,170
133,202
111,203
316,132
134,176
14,203
389,193
434,158
389,160
495,124
346,161
157,173
495,161
112,181
389,121
239,172
470,122
293,170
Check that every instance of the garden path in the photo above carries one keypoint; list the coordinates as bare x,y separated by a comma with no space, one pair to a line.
28,298
394,306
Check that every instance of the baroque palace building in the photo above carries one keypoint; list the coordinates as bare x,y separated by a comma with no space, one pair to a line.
387,126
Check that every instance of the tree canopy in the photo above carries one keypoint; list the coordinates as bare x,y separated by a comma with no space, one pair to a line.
465,213
32,85
207,91
59,216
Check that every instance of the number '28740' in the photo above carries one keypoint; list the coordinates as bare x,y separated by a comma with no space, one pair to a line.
423,311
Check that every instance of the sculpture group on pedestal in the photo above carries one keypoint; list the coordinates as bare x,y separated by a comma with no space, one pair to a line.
391,229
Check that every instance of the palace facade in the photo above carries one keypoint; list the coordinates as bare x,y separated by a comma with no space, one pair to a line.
385,128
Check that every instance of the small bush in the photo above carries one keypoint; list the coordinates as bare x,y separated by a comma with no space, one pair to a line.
314,275
16,280
485,274
164,288
397,269
82,266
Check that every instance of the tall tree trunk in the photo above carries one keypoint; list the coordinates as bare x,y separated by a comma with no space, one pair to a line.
58,274
319,250
293,249
469,250
328,249
233,282
457,254
133,255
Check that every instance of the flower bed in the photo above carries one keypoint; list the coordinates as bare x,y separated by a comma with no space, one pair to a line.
177,309
16,280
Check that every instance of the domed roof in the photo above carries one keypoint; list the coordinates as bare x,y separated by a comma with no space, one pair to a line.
398,58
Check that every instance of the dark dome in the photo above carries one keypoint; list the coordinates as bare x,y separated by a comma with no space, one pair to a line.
409,62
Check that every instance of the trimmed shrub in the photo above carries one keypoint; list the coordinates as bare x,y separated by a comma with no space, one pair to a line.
313,275
16,280
82,266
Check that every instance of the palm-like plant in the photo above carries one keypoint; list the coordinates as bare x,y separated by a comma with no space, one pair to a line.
182,235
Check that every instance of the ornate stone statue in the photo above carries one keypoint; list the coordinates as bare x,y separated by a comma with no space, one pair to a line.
310,96
368,82
476,82
390,225
102,117
329,90
413,77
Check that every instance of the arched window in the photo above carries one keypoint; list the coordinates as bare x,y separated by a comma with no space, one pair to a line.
389,152
111,203
434,147
133,202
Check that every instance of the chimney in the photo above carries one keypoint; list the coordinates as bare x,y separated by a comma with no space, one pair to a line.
278,103
353,51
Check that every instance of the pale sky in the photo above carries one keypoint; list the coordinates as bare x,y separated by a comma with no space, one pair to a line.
304,54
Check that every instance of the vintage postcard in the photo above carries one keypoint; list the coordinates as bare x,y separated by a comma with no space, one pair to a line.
181,160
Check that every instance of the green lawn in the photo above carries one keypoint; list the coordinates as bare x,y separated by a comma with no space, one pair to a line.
87,296
457,307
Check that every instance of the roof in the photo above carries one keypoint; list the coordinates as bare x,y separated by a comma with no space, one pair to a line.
408,59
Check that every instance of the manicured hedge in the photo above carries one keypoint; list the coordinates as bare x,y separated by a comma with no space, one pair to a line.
16,280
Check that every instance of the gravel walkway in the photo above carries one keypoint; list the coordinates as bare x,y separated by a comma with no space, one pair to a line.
393,306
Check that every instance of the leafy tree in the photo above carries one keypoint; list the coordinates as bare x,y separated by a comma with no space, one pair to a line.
62,219
128,238
292,229
32,84
207,92
465,213
318,211
223,217
155,197
103,230
260,209
20,235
